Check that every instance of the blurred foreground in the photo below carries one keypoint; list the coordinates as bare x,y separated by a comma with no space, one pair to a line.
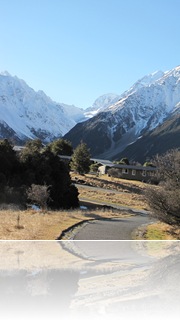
85,279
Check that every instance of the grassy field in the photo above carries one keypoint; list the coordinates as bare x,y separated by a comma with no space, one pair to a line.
36,225
131,192
161,231
124,199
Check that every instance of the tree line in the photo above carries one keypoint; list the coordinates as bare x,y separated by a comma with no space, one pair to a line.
37,172
36,165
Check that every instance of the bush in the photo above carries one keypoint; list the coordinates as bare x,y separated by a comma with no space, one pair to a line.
123,161
39,195
165,200
94,167
12,195
114,172
165,205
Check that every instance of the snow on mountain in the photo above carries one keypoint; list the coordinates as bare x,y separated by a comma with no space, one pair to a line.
115,121
109,99
147,80
140,109
27,114
101,103
77,114
31,114
152,96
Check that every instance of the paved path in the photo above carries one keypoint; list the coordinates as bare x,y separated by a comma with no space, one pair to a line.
110,229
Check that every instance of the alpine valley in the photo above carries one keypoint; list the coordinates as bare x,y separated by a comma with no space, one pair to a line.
141,122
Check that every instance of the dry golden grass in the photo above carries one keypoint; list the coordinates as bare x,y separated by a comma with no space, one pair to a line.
125,199
131,191
105,181
35,225
157,231
161,231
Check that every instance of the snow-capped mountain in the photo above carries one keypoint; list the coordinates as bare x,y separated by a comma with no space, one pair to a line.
26,114
101,104
115,121
139,110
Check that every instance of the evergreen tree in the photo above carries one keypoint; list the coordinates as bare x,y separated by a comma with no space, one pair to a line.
43,167
61,147
81,159
36,165
8,159
11,189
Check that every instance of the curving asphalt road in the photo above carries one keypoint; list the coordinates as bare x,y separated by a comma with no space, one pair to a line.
110,229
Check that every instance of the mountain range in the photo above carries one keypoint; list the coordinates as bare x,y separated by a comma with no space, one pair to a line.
27,114
143,122
138,123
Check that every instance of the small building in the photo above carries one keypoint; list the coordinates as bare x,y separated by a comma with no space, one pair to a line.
124,171
130,172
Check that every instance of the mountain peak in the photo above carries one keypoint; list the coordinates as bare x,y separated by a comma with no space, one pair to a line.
27,114
101,103
137,112
5,73
150,78
105,100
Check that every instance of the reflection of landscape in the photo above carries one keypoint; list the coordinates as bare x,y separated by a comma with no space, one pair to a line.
85,279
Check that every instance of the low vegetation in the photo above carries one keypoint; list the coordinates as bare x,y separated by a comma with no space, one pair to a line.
165,201
35,165
125,199
48,224
37,176
158,231
40,225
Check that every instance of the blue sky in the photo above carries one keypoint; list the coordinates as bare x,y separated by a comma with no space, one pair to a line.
77,50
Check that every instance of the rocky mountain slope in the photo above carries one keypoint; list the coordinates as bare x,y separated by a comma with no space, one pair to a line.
101,103
147,104
126,124
26,114
163,138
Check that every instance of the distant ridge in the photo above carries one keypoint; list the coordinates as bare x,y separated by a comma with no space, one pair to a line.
138,123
